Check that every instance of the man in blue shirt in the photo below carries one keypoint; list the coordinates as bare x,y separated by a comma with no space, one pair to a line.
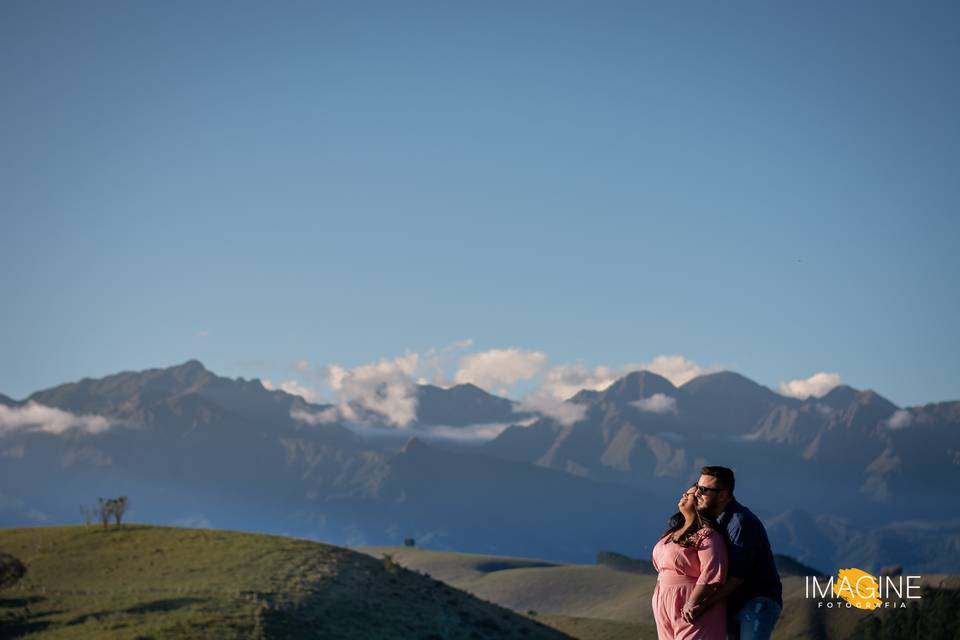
753,590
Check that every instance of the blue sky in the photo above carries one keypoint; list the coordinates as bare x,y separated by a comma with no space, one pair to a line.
766,187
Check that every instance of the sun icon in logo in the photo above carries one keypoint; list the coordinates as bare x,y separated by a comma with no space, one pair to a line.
857,587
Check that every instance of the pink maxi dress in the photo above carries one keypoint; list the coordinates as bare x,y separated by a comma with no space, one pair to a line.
679,570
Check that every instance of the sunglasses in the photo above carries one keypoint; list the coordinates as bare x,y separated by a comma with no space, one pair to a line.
703,489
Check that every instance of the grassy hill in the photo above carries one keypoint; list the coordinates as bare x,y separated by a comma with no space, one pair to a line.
602,603
574,590
149,582
141,582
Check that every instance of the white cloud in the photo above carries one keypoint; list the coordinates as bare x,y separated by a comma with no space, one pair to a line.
202,333
542,401
335,376
565,381
34,417
900,419
496,367
326,416
657,403
301,365
470,434
675,368
293,388
386,388
817,385
474,433
436,362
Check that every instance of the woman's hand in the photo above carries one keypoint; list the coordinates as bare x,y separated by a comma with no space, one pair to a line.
699,601
691,611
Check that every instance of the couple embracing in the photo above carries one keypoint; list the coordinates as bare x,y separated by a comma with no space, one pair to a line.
716,578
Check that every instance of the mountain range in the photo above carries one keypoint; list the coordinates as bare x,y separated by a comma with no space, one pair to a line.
847,477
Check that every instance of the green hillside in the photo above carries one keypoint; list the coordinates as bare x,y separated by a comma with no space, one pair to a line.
140,581
600,603
573,590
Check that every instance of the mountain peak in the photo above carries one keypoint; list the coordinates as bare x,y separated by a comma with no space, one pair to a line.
637,385
839,397
720,377
191,374
843,396
469,386
190,366
461,405
464,388
644,374
729,384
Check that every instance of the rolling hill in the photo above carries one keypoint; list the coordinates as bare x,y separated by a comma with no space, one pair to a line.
139,581
595,602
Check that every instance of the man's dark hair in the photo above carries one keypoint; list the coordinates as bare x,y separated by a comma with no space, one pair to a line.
723,475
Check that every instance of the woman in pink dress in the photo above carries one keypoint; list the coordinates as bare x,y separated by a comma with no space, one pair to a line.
691,562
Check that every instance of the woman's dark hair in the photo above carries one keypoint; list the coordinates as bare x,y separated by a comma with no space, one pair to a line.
701,520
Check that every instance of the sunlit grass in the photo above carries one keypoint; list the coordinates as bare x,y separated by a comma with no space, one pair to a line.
140,581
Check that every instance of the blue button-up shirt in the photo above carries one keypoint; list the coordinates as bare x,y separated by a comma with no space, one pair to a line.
750,557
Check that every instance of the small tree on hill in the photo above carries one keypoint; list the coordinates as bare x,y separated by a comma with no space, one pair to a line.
103,511
119,508
409,542
11,570
112,508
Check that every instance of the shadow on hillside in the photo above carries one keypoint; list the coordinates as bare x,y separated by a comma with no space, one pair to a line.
380,600
18,603
16,619
168,604
157,606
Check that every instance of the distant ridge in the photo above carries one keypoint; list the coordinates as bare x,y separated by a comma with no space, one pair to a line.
189,444
462,405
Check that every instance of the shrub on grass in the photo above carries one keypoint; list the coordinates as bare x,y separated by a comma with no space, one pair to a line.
11,570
